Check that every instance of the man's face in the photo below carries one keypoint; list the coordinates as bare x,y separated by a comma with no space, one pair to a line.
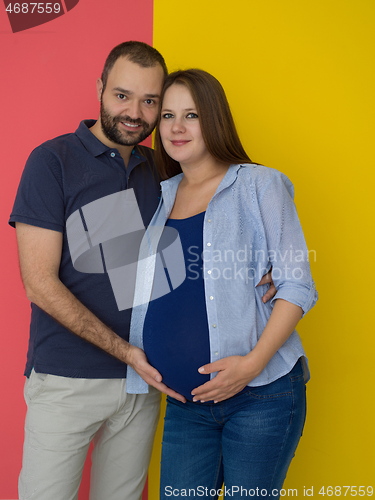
130,102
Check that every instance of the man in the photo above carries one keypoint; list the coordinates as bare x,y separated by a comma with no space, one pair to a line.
78,349
75,387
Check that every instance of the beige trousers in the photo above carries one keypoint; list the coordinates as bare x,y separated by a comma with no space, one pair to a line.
64,415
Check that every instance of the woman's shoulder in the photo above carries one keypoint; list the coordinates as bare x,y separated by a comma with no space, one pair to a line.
258,171
262,177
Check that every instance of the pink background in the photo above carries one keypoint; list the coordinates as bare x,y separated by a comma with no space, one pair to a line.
47,80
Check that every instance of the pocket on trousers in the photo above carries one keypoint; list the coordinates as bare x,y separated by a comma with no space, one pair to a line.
283,386
277,389
35,385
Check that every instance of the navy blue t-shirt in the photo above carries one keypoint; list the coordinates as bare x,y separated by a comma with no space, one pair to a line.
60,177
175,333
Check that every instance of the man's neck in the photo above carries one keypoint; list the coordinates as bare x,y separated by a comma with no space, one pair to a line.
125,151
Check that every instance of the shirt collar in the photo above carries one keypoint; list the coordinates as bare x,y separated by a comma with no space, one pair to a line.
169,187
96,147
88,139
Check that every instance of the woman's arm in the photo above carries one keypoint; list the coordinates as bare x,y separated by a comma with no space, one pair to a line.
235,372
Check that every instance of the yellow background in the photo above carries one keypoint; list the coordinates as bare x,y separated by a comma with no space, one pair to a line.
299,76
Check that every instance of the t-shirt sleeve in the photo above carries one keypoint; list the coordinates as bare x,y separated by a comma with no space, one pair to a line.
39,199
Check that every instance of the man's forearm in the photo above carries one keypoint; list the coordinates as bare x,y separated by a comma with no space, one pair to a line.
55,299
40,259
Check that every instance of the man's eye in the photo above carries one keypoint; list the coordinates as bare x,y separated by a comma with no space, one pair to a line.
166,116
149,101
121,96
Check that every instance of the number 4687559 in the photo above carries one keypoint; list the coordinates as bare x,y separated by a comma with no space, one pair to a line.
33,8
346,491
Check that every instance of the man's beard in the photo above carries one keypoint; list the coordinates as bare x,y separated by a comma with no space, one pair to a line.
125,138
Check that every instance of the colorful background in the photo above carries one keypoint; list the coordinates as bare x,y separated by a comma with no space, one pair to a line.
300,79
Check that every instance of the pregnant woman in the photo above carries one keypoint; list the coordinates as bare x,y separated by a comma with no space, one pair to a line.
239,362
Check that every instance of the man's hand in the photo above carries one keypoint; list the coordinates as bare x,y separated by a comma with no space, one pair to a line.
234,373
137,359
271,292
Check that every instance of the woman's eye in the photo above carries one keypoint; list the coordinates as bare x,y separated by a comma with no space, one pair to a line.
166,116
192,115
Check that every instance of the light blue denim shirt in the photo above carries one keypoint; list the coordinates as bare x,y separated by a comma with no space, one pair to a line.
250,225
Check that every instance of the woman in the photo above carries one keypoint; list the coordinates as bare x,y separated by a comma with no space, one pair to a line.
239,362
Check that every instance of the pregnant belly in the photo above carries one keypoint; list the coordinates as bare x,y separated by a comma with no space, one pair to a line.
177,347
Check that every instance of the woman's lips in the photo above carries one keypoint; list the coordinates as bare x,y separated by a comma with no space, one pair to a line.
179,143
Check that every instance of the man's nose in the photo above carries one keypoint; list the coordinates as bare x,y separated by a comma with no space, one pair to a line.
133,109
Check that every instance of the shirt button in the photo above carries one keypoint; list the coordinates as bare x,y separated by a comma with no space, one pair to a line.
216,353
209,272
214,325
208,244
209,220
113,154
211,297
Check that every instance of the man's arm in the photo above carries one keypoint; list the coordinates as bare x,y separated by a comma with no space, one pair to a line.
40,255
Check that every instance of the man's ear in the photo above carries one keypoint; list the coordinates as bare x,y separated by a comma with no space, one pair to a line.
99,88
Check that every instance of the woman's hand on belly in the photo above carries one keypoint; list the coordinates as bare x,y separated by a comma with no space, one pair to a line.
138,361
234,373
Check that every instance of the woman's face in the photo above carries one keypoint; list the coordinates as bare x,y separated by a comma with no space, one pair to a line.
179,127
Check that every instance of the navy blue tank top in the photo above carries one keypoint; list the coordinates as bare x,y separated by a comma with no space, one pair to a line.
175,335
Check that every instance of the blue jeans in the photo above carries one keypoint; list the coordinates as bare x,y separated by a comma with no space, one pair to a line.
246,442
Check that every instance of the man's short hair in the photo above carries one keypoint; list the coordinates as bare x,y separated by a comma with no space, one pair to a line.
137,52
